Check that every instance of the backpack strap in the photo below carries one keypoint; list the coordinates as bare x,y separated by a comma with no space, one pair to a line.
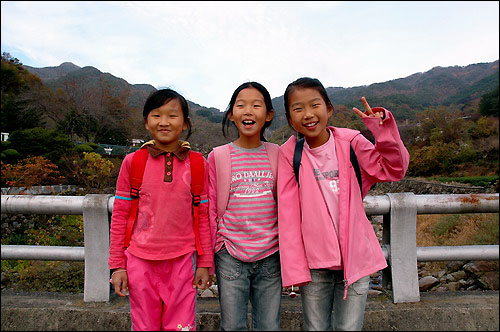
273,153
222,156
297,157
355,165
136,174
197,176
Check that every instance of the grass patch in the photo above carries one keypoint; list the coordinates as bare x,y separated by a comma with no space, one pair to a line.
478,181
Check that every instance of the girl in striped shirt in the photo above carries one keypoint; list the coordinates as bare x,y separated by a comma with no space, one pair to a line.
243,214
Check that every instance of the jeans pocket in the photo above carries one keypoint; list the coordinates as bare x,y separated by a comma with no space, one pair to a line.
227,266
361,286
271,266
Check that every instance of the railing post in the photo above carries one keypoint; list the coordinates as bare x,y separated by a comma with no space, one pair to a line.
96,237
403,247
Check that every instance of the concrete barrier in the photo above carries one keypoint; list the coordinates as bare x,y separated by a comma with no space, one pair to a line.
453,311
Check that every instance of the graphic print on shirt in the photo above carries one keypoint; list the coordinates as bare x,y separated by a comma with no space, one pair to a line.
331,176
249,228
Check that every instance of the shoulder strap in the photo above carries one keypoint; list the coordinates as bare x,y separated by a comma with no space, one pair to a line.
197,176
223,174
354,162
297,157
139,161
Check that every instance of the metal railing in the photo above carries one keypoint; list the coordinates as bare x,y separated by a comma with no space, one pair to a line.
399,212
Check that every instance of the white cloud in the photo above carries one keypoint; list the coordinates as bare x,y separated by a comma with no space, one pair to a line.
206,49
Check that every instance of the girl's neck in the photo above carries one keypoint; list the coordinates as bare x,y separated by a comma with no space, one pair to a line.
248,142
170,147
319,140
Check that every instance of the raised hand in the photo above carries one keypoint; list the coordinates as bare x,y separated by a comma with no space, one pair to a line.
369,113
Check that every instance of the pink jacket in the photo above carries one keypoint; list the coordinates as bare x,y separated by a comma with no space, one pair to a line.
305,228
164,227
219,164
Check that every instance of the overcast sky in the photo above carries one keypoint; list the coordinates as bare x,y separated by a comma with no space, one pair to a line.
204,50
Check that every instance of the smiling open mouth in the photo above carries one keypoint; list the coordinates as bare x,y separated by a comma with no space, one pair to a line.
311,124
248,122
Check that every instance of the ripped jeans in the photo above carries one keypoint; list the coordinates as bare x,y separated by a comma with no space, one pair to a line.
326,293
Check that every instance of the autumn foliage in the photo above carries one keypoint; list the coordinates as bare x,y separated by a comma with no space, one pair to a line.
33,171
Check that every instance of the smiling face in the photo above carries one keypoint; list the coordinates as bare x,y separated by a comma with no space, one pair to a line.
249,115
165,124
309,115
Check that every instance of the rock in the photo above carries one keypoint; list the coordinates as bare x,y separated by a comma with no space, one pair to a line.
440,274
480,266
453,286
489,280
207,293
427,283
454,266
214,289
459,275
374,292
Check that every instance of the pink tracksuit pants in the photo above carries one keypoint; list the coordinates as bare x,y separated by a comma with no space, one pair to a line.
162,297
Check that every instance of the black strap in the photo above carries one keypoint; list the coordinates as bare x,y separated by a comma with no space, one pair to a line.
354,162
297,156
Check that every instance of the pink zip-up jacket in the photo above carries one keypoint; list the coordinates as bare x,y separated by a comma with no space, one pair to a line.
219,161
306,231
164,226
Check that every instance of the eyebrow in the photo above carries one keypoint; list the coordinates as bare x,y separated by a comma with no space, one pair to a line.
310,101
252,101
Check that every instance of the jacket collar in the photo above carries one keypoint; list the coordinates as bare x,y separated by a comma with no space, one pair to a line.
180,152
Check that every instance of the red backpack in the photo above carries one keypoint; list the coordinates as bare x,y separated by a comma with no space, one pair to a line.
136,174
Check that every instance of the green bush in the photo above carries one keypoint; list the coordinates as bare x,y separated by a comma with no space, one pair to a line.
84,148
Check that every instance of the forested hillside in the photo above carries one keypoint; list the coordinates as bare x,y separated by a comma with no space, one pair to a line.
448,117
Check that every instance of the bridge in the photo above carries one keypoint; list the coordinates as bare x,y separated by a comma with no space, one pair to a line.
399,211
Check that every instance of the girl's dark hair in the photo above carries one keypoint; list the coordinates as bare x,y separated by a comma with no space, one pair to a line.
303,83
267,100
161,97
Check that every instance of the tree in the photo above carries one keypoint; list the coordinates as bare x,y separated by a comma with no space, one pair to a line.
51,144
17,108
489,103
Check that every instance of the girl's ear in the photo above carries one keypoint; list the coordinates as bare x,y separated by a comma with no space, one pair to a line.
186,124
329,109
146,124
230,116
269,115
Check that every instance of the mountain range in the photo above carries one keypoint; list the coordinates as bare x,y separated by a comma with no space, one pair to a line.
462,86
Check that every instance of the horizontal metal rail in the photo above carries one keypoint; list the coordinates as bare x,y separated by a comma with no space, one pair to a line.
399,246
43,253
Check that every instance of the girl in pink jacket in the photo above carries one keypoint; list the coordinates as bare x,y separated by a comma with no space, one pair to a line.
160,267
327,245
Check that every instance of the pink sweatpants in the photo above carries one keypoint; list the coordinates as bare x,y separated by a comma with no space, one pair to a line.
161,293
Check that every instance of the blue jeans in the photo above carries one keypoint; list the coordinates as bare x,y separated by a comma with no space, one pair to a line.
238,282
326,293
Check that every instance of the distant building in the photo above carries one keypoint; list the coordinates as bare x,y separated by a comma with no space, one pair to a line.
137,142
5,136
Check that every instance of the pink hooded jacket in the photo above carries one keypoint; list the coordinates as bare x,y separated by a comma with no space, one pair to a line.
305,227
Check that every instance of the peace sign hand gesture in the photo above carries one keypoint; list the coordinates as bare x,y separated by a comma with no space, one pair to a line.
369,113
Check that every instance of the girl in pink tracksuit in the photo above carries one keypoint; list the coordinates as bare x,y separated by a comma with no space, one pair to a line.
327,245
160,267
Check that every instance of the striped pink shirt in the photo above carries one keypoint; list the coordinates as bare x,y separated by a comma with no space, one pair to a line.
249,226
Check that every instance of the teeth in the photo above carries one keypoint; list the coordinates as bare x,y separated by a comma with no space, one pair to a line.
248,122
310,124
